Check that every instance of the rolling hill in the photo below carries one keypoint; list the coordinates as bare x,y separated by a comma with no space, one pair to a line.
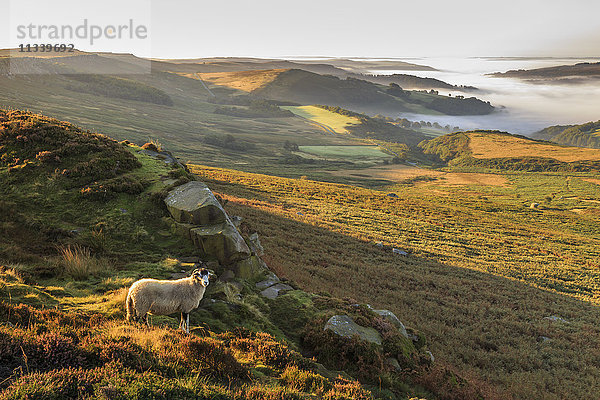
584,135
578,73
501,150
505,294
360,95
508,294
215,124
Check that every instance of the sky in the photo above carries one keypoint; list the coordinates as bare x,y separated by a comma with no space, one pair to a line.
348,28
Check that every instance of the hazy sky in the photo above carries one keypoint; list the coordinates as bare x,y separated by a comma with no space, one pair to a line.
374,28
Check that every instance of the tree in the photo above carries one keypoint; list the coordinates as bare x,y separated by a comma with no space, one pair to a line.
290,146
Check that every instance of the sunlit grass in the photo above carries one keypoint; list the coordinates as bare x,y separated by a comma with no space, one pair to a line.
464,243
335,121
79,264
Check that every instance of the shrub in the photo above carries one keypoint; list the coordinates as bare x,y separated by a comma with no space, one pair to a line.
152,145
305,381
263,347
109,189
360,358
210,357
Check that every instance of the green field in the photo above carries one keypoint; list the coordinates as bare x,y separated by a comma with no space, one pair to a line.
359,154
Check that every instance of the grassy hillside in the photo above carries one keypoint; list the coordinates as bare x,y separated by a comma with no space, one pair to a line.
247,81
82,218
484,278
182,127
306,88
584,135
501,150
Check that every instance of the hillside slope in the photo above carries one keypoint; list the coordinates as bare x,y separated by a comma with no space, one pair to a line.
83,217
584,135
306,88
501,150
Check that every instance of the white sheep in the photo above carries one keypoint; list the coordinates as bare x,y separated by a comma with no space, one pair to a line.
156,297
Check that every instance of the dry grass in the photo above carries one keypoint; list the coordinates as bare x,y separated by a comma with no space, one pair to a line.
485,145
402,173
453,286
79,264
248,81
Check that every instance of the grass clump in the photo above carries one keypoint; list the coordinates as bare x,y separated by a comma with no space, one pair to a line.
78,262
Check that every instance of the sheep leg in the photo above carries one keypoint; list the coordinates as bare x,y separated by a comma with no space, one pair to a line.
185,322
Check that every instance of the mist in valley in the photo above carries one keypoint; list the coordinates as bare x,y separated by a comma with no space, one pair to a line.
523,107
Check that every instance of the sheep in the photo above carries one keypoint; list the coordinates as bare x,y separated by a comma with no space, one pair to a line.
158,297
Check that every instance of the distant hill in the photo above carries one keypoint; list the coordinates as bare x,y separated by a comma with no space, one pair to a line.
330,65
501,150
584,135
577,73
304,87
415,82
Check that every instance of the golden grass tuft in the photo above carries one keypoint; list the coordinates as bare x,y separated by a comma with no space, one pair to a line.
79,263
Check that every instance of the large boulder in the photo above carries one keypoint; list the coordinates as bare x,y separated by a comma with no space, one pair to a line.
222,241
343,325
391,318
194,203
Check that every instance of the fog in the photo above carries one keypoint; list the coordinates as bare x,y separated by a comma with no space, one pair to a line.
523,107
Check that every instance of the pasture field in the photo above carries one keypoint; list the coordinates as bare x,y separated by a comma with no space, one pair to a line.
335,121
357,154
485,276
486,145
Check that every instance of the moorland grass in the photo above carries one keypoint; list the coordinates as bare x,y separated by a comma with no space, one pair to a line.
484,270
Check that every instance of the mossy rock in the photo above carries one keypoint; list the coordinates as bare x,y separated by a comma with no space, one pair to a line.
250,269
343,325
222,241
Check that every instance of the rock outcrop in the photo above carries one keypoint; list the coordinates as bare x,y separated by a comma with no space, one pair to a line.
221,240
199,216
194,203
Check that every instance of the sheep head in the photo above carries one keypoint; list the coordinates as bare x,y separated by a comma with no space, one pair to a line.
201,275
